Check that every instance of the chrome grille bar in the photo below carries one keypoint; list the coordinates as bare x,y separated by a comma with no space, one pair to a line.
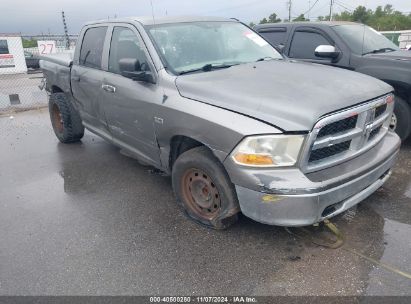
358,136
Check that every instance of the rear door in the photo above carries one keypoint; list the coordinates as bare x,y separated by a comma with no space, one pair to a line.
130,105
87,76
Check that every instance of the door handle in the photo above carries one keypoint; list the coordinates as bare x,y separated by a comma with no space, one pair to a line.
108,88
75,78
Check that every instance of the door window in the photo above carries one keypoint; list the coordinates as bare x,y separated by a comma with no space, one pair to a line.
275,37
125,44
304,44
92,47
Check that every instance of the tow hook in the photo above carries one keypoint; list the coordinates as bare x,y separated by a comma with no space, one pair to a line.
332,243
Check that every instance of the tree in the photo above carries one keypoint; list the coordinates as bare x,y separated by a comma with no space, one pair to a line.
383,18
344,16
264,20
388,10
251,24
273,18
379,12
301,18
360,14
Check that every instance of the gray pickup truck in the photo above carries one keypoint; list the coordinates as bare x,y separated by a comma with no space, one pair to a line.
236,125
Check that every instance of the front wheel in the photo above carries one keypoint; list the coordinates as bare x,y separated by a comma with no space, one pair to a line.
401,118
204,190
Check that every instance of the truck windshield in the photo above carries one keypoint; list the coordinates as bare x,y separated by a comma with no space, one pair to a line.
362,39
204,46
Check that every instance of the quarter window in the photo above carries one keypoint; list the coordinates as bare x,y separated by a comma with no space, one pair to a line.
92,47
125,45
304,44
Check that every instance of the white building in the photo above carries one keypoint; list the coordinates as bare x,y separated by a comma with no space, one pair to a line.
405,40
404,37
12,59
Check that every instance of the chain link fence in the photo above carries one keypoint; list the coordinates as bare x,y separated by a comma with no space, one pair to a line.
20,75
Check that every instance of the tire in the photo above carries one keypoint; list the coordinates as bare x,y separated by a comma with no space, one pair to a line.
65,119
204,189
401,121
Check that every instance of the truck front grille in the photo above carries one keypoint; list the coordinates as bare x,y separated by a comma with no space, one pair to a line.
380,110
329,151
338,126
346,134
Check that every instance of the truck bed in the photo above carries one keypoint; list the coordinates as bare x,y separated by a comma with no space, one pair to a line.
56,69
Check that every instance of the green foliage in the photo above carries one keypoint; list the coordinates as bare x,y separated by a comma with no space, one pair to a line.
301,18
273,18
29,43
382,19
251,24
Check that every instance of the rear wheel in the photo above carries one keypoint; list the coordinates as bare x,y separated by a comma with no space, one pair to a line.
401,119
65,119
204,190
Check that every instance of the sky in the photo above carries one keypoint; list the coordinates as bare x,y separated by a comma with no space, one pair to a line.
32,17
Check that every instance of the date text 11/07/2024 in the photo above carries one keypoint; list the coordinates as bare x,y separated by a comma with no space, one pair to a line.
203,299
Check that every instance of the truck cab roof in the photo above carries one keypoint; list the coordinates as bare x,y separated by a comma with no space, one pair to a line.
149,20
308,23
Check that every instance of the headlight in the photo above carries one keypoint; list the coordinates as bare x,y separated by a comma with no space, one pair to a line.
268,150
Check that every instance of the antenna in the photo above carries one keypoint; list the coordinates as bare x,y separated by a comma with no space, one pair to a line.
289,10
309,6
152,12
65,30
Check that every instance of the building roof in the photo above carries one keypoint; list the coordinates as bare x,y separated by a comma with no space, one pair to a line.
10,35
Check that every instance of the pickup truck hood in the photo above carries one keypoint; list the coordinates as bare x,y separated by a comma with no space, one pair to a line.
396,55
287,94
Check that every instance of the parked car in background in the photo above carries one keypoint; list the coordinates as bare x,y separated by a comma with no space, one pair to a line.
32,60
350,46
236,125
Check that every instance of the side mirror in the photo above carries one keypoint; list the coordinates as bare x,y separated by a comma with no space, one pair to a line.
326,51
131,68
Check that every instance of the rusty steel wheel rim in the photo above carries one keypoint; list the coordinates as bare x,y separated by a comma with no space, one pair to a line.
57,119
200,193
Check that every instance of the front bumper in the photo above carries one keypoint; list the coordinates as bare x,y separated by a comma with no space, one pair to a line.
288,197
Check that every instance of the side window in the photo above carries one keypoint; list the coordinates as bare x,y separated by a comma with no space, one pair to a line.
92,47
125,45
4,48
304,44
274,36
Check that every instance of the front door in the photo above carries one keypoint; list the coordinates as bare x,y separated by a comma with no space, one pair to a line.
130,105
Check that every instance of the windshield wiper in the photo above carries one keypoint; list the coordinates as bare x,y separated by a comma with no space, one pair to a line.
381,50
268,58
207,68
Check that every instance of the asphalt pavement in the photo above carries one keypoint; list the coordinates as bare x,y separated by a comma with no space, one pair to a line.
83,219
